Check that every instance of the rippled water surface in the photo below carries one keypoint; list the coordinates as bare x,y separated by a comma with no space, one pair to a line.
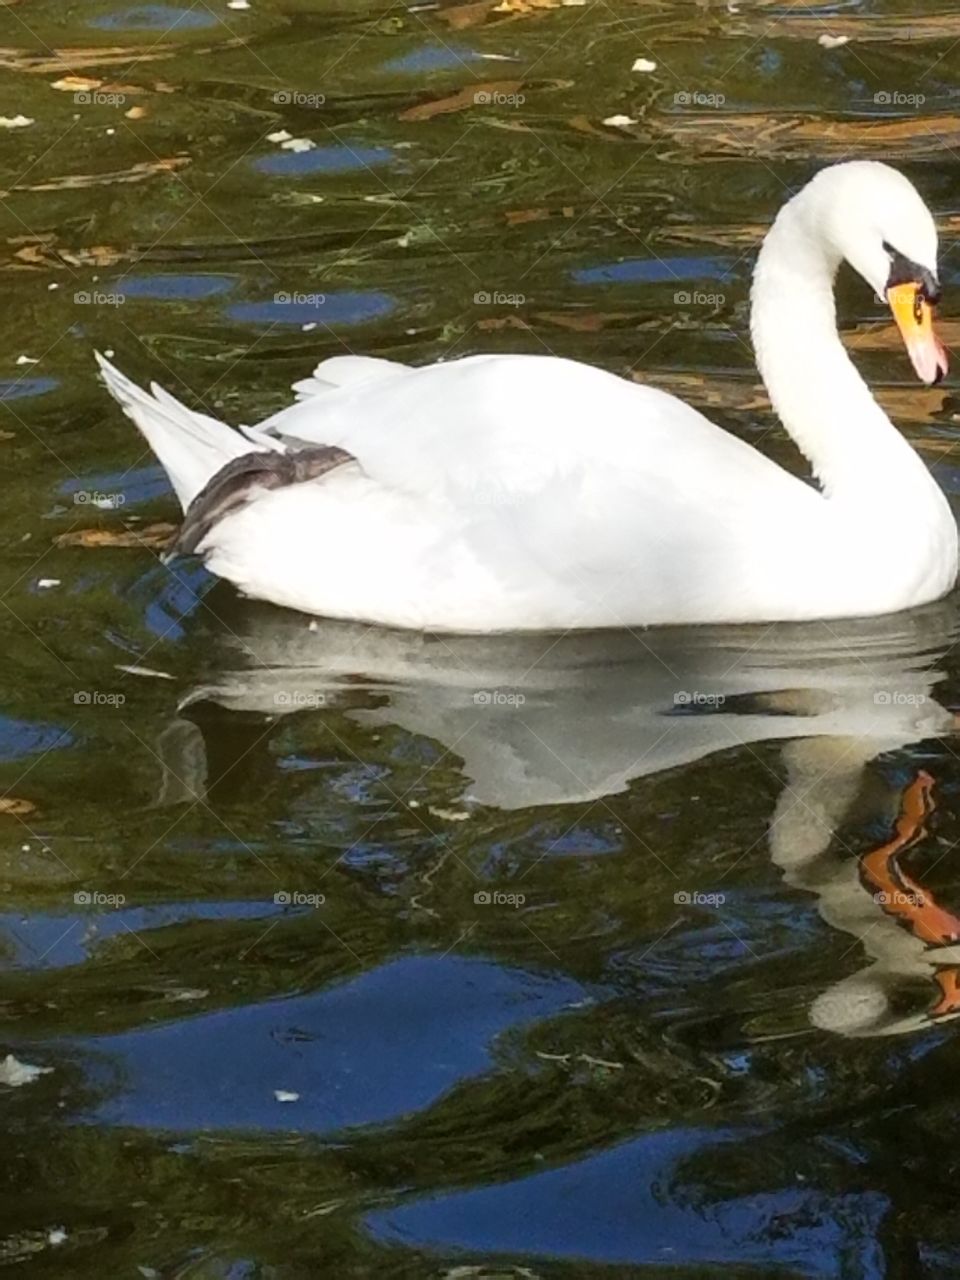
352,953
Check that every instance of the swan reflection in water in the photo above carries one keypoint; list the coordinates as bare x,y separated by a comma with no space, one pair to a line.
550,720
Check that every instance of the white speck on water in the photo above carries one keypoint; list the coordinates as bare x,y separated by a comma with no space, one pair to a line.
644,64
15,122
238,4
56,1236
15,1074
28,359
54,285
308,328
144,671
832,42
298,144
286,1095
280,135
109,353
449,815
45,583
619,122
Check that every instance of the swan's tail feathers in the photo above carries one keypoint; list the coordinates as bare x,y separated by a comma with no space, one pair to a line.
192,447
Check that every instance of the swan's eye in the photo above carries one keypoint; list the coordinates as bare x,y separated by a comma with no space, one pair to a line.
904,270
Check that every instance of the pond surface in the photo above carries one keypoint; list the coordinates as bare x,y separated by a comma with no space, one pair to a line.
352,953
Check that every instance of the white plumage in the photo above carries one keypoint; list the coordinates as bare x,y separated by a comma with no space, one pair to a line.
499,493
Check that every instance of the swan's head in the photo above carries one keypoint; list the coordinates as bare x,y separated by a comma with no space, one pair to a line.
873,216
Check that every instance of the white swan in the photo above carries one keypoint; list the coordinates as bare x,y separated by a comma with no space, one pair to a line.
502,493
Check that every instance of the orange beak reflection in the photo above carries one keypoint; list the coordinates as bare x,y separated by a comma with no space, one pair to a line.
914,317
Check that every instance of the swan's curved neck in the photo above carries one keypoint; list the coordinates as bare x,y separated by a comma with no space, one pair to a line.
853,448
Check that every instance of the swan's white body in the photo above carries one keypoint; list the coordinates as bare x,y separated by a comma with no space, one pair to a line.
502,493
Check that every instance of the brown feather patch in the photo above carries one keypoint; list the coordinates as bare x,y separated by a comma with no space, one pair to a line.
243,478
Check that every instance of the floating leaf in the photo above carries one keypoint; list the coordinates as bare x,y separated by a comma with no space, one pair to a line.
809,136
905,404
58,61
76,84
517,217
16,808
522,8
465,98
151,535
886,336
583,124
581,321
501,322
474,14
136,173
460,17
872,28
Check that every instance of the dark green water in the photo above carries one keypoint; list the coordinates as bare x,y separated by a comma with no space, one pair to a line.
566,957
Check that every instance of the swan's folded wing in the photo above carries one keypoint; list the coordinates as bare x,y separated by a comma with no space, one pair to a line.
499,430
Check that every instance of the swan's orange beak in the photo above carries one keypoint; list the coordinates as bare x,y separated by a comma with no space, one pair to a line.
914,317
